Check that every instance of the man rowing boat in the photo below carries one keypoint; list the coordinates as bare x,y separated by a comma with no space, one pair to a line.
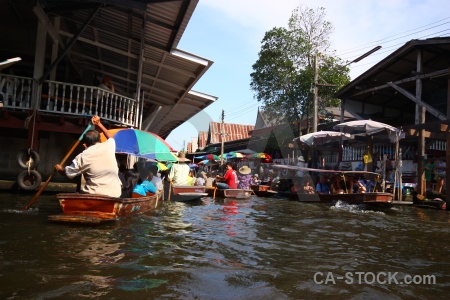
97,163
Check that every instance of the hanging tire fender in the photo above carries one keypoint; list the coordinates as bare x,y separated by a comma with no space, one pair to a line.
29,180
28,156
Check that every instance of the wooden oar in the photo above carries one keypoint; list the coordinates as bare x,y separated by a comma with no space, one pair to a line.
157,197
61,163
170,190
214,194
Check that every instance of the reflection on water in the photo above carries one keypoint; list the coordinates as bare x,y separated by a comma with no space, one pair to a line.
258,248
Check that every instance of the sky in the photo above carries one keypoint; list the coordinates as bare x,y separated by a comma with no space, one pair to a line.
229,32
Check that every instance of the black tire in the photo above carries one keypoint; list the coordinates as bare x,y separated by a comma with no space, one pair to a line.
23,158
30,181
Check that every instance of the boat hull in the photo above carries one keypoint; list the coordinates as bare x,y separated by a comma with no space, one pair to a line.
184,193
237,193
263,190
230,193
370,199
88,208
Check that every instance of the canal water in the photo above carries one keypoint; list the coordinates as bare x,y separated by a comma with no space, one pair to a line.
260,248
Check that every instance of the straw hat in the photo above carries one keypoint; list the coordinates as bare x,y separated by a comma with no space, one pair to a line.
245,170
182,157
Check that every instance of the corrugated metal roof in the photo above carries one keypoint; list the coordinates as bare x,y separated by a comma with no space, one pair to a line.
232,132
120,35
202,139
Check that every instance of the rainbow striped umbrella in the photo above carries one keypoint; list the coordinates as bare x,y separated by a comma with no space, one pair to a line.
142,144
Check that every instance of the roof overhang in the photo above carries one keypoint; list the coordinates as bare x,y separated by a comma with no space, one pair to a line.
387,91
132,41
167,117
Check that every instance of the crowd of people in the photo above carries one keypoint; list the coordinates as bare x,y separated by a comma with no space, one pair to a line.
104,176
332,184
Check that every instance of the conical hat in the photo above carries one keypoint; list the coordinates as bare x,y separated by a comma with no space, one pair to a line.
182,157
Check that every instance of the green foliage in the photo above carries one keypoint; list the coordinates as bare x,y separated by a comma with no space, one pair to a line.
283,75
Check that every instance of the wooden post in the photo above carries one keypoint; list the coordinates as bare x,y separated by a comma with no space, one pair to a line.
420,119
447,152
316,96
222,136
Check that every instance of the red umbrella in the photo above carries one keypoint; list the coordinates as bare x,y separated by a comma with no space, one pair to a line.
211,157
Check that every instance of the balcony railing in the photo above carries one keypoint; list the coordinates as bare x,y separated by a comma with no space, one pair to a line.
69,99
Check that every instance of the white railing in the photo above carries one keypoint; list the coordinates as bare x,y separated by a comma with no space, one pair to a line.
15,91
439,145
67,98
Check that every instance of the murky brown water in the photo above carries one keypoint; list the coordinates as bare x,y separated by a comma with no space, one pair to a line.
260,248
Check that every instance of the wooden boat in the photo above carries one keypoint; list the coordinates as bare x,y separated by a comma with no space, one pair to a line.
185,193
261,190
370,198
230,193
94,209
237,193
436,203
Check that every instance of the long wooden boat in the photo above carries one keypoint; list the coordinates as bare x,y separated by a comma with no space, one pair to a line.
378,199
185,193
94,209
371,199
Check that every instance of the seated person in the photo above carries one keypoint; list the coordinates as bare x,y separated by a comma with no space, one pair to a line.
209,182
337,185
155,179
256,179
244,177
201,179
144,184
359,187
323,186
367,183
349,184
131,178
229,180
191,178
307,188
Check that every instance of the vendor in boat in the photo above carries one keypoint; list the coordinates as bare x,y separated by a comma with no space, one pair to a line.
179,172
256,179
244,177
229,180
97,163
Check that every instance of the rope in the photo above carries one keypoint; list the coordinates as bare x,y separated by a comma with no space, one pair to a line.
345,183
29,161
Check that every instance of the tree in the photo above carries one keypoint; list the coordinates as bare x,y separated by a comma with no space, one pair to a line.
283,75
